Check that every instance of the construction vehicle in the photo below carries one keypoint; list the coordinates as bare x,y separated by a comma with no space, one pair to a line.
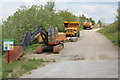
51,40
87,24
72,29
61,37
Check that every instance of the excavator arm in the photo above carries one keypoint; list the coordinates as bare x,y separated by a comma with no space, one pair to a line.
31,36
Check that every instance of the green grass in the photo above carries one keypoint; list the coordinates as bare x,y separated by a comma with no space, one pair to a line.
16,69
81,28
31,47
111,32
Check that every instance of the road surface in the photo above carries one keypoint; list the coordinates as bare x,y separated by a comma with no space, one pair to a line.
92,56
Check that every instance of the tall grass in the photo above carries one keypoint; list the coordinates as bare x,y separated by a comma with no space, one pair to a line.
111,32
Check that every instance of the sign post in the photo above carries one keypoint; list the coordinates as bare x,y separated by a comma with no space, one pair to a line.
8,56
8,45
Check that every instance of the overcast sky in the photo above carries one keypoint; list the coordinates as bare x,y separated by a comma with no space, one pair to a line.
105,10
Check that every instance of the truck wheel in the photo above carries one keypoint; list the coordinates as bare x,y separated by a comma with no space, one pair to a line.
75,34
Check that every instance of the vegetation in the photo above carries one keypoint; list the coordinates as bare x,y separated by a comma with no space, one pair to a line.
82,18
16,69
31,47
27,19
67,16
100,22
111,32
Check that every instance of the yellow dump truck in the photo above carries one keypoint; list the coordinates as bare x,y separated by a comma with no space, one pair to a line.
87,24
72,29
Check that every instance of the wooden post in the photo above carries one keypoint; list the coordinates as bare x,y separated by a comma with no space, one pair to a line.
8,56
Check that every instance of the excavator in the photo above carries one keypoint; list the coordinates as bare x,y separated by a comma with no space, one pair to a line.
51,42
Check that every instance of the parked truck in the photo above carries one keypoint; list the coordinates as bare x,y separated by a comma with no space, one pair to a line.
72,29
87,24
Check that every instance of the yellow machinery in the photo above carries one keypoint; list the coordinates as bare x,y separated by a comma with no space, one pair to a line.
87,24
61,37
72,29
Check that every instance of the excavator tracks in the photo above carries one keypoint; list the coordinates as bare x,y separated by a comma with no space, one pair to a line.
39,49
56,49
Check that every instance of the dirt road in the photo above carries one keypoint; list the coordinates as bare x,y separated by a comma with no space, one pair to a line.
92,56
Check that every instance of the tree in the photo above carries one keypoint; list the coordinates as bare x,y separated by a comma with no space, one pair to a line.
100,23
67,16
91,20
81,19
50,6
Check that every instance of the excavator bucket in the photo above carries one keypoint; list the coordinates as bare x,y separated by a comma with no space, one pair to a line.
16,53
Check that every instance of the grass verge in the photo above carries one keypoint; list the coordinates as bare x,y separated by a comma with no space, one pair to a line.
20,67
16,69
111,32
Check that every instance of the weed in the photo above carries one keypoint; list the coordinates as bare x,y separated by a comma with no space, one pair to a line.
53,60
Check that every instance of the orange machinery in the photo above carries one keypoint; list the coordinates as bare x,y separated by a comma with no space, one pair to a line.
72,29
87,24
61,37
